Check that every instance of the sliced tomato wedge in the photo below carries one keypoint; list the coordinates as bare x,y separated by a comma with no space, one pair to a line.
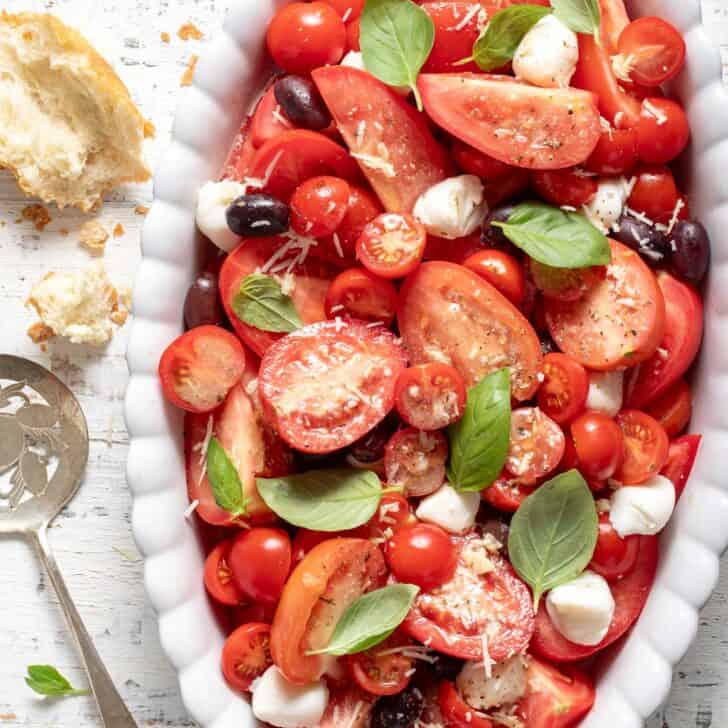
680,460
246,655
457,27
325,583
519,124
619,322
456,712
451,315
537,445
630,595
645,447
311,282
678,347
452,618
674,408
326,385
389,138
415,461
506,494
381,670
266,123
362,295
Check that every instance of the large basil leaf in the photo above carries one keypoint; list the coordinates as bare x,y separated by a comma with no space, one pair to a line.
582,16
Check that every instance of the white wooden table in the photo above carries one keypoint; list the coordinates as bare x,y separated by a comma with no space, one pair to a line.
92,537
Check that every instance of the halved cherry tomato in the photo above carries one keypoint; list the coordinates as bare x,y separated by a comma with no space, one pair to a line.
555,698
518,124
615,152
673,408
320,589
630,595
506,494
598,444
362,295
457,27
326,385
452,618
680,460
392,245
613,21
294,156
502,271
319,205
266,123
391,140
219,576
614,557
448,313
654,49
382,670
260,560
349,705
565,284
349,10
662,132
564,186
645,447
304,36
563,392
394,514
310,285
473,161
655,193
619,322
430,396
246,655
422,554
537,445
199,368
415,460
456,712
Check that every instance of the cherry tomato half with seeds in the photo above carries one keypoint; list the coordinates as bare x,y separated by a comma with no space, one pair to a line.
382,670
662,131
430,396
502,271
537,445
318,206
362,295
564,187
393,514
415,460
615,152
614,557
246,655
219,576
654,49
392,245
599,445
645,447
564,390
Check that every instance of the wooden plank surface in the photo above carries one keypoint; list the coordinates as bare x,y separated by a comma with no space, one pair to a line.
92,538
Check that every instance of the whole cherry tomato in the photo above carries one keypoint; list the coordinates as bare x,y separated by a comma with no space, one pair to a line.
662,131
615,152
423,555
614,557
564,187
362,295
599,445
319,205
502,271
655,193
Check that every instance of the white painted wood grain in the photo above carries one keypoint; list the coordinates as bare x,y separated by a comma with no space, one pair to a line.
92,538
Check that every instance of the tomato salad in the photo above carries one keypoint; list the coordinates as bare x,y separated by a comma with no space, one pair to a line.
436,371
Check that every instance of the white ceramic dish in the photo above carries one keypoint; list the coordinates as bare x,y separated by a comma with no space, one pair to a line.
228,76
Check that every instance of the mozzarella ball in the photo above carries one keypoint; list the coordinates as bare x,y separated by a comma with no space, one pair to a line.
507,683
452,208
642,509
605,208
547,54
285,705
452,510
582,609
213,201
605,392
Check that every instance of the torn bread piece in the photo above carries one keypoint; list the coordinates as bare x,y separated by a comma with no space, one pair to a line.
69,130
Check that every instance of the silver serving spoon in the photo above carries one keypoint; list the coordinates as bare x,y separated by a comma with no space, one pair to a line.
43,455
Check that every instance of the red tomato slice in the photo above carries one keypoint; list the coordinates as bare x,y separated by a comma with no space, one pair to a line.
456,712
678,348
645,447
390,139
619,322
537,445
506,494
449,314
457,27
415,461
246,655
379,670
199,368
522,125
614,557
292,157
268,121
310,283
392,245
330,578
555,699
362,295
219,576
655,50
630,595
673,409
680,460
326,385
564,390
453,617
349,705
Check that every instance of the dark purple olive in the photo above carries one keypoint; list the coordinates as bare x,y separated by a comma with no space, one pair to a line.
370,447
446,667
301,103
690,250
257,216
493,236
202,303
402,710
646,239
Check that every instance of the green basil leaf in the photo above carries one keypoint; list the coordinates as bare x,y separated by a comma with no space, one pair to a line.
323,500
582,16
371,619
479,440
260,302
501,37
553,533
46,680
396,37
554,237
225,481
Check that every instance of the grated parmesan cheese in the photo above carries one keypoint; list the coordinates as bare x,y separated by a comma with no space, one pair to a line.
191,509
474,10
376,163
337,245
654,111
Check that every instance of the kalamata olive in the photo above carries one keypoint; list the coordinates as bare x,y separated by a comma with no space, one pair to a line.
398,711
493,236
301,102
257,216
690,250
647,240
202,303
446,667
370,447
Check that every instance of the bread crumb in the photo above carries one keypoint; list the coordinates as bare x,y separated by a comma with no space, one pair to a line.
189,73
119,317
150,131
189,31
38,215
141,210
164,37
64,231
125,297
39,332
93,237
118,230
